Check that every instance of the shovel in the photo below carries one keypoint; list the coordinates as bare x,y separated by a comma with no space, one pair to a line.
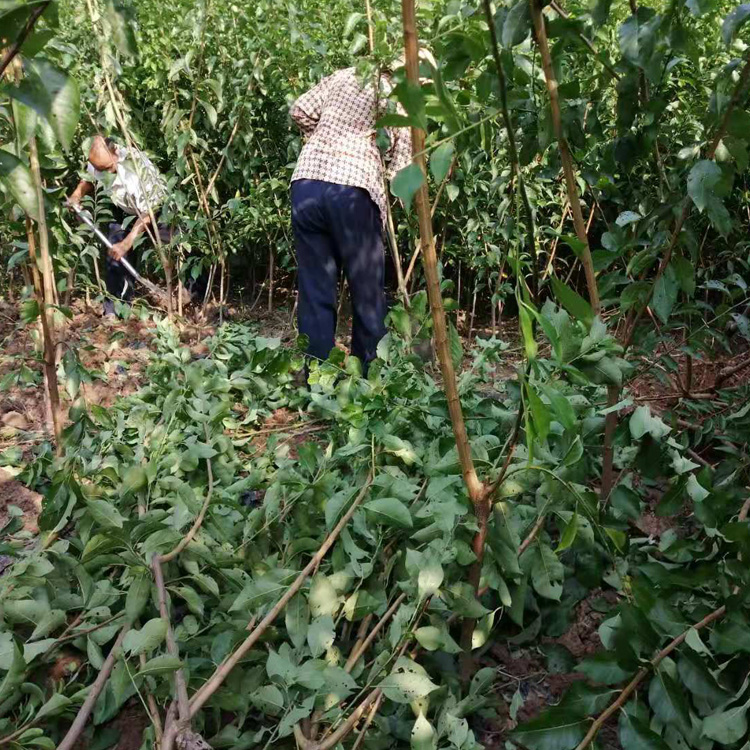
158,293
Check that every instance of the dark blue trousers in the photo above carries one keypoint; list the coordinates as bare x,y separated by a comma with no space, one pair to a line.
335,227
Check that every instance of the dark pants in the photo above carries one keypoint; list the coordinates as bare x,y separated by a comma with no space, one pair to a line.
338,226
119,282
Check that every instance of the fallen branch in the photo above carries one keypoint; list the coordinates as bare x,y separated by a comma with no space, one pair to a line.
222,672
628,690
641,674
79,723
183,703
727,372
360,648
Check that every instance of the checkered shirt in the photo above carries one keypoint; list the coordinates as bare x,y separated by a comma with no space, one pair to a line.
337,118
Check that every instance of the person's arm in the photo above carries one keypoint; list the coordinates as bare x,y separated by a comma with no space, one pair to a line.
120,249
84,187
306,111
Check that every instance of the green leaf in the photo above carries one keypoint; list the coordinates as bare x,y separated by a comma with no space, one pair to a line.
440,161
25,121
728,726
160,665
335,505
120,17
635,733
667,699
149,637
464,602
320,635
16,177
137,596
390,511
454,341
53,95
731,637
406,183
555,729
702,180
665,294
423,735
569,534
585,700
192,598
105,514
297,619
268,699
54,706
604,669
351,22
430,577
547,572
573,302
517,26
322,599
539,413
134,479
626,501
407,682
527,329
733,22
642,422
210,111
697,678
403,449
684,273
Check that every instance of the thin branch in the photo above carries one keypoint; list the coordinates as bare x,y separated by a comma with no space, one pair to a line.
222,672
360,649
198,520
727,372
79,723
641,675
15,48
183,703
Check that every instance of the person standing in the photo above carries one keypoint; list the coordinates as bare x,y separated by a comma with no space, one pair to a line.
136,188
339,210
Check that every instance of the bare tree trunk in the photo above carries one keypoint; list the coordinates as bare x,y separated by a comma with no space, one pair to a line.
477,492
52,391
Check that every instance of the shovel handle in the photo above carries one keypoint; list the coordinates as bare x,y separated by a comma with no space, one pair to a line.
86,219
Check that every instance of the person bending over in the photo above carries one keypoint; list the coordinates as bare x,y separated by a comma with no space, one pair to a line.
339,209
136,188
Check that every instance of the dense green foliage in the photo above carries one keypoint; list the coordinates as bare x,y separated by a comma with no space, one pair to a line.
641,116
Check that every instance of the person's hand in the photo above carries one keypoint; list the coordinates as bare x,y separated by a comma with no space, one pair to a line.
73,201
119,250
